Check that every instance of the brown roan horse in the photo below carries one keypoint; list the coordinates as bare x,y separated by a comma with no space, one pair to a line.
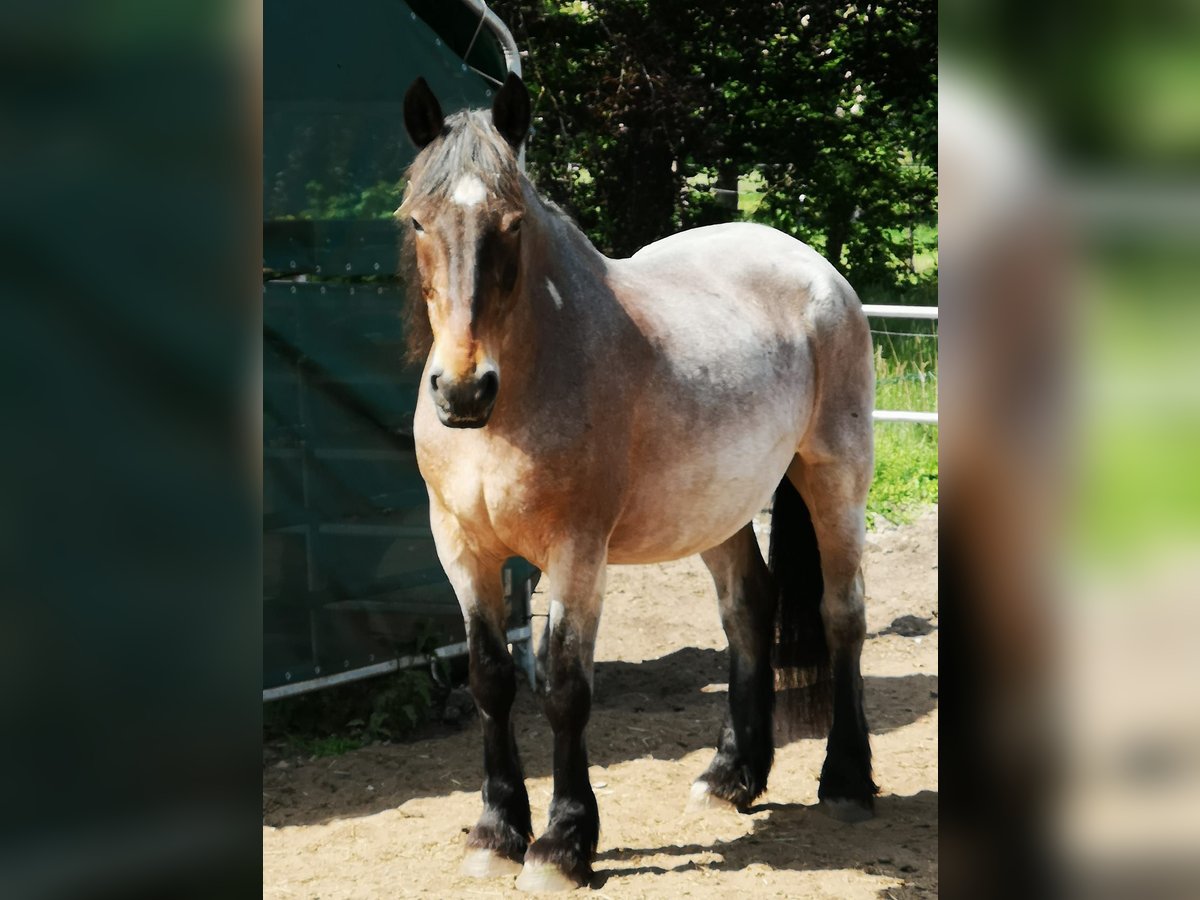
579,411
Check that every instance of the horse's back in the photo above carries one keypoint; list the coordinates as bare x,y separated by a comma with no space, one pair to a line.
738,293
746,265
733,245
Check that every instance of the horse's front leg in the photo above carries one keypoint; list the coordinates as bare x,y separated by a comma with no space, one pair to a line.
496,845
561,858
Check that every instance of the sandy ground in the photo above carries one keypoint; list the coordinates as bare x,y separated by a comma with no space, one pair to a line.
390,820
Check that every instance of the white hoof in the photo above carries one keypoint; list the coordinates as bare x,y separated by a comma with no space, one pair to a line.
537,877
847,811
482,863
702,799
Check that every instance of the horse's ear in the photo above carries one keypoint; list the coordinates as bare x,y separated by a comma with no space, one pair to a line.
422,114
510,110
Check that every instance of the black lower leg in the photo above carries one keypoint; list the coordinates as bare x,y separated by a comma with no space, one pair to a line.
846,775
738,772
569,842
505,826
745,749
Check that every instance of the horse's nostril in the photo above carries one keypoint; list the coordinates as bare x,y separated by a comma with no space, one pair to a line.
488,385
433,380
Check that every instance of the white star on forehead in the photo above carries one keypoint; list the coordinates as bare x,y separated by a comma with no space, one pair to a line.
469,191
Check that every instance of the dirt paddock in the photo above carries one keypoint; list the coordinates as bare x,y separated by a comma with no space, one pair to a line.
390,820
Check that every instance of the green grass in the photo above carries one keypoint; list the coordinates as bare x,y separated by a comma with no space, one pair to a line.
906,453
323,746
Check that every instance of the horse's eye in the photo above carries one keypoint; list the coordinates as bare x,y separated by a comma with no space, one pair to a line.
417,225
514,226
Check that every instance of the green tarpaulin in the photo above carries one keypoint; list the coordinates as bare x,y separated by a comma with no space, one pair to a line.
350,576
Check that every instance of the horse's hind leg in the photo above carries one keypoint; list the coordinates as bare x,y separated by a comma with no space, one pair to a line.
835,491
496,845
738,772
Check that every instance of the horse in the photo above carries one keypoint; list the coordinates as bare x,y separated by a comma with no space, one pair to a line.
580,411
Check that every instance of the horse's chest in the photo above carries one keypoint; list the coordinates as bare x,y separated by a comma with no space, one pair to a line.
501,498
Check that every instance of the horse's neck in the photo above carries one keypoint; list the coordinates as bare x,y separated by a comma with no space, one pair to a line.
566,288
561,241
566,315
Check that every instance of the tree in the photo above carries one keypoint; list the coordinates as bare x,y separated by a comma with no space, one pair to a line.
642,108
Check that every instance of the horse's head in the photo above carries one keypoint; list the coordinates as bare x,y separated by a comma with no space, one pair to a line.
464,205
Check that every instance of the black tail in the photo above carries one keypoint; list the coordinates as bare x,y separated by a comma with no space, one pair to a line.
803,674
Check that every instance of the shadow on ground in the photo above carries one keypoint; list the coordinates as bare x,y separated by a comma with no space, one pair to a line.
799,837
677,683
662,708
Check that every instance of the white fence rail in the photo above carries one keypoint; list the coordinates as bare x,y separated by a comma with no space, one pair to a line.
522,635
885,311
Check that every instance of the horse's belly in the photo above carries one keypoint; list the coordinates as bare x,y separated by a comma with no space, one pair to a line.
702,496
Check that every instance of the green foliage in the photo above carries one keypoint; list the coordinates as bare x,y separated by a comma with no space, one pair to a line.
334,720
330,200
376,202
830,110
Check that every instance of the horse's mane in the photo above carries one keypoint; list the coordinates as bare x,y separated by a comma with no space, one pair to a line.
418,333
468,145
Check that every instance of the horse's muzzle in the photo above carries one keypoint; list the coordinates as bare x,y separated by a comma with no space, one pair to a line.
466,403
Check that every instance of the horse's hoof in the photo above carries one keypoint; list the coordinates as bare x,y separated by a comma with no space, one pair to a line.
702,799
544,876
849,811
483,863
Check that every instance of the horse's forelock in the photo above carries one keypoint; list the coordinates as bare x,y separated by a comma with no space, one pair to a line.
469,146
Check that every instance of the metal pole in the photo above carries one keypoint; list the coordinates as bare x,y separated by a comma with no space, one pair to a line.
884,310
508,45
514,635
898,415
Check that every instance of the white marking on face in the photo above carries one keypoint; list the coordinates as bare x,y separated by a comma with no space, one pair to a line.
469,191
554,294
436,364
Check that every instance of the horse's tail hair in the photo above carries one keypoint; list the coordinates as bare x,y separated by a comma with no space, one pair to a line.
800,653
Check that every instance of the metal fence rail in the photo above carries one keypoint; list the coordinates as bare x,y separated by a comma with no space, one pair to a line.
519,638
887,311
